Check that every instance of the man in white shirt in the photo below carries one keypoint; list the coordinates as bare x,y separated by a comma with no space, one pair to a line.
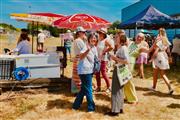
40,42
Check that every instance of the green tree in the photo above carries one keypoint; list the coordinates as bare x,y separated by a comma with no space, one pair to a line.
115,25
8,26
53,30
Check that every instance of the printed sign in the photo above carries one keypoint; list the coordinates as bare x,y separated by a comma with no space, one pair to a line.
133,50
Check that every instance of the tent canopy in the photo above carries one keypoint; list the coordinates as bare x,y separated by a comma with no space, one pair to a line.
150,18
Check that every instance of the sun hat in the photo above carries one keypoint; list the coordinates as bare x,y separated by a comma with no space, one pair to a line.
40,30
68,31
102,30
80,29
140,34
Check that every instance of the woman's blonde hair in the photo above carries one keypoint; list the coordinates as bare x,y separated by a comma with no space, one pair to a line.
162,33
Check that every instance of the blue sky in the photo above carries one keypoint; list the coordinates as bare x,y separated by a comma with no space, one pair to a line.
107,9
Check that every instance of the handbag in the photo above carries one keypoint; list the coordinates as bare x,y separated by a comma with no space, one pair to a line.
97,64
123,74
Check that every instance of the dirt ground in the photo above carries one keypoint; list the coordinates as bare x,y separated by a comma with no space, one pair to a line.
55,103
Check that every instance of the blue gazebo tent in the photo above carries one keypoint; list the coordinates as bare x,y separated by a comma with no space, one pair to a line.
150,18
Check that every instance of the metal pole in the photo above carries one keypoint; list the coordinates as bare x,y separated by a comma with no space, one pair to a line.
37,27
32,33
135,30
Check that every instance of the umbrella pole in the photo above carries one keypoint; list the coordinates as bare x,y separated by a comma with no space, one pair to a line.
37,27
32,36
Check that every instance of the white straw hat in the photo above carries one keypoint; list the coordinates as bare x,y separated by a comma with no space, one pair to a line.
103,30
68,31
80,29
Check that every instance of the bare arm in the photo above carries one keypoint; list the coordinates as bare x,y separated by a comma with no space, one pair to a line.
145,48
108,47
154,54
83,55
118,60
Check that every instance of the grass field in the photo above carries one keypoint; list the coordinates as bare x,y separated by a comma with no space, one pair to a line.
55,103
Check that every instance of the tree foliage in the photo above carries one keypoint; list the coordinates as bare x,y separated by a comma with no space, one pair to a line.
114,27
8,26
53,30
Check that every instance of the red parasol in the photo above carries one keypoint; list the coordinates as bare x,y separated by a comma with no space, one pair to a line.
88,22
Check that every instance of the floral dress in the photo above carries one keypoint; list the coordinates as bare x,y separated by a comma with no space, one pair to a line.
161,59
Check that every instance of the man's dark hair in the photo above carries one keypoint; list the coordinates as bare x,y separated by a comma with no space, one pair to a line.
24,30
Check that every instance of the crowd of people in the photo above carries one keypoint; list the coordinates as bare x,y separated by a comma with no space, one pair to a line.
125,54
120,52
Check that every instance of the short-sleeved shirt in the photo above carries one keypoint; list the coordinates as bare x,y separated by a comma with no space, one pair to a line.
100,47
68,38
41,37
85,66
78,46
67,42
123,53
23,47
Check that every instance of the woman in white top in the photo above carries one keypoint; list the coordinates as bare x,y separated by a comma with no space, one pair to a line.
103,48
143,56
121,58
159,59
85,70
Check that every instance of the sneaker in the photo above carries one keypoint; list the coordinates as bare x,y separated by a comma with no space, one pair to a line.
133,103
152,89
112,113
98,90
170,91
108,90
73,109
91,112
121,111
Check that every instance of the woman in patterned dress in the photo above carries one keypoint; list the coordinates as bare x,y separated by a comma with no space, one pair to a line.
159,59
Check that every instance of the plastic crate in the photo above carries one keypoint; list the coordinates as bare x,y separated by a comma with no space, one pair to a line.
6,68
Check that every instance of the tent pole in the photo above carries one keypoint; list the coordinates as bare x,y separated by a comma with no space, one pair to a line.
129,33
135,30
175,31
